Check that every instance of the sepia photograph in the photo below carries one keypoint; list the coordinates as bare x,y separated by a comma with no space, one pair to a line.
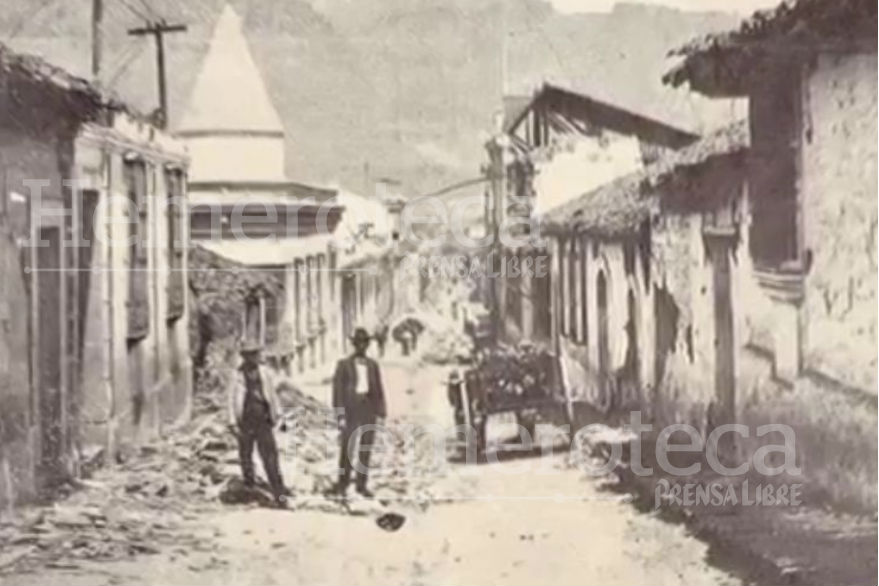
439,292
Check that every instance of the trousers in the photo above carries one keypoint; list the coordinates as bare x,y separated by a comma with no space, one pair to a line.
256,429
355,443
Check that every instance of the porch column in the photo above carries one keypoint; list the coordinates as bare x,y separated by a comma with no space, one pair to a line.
311,288
321,277
526,289
555,294
300,293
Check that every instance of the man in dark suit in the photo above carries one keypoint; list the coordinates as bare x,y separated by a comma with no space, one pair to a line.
359,401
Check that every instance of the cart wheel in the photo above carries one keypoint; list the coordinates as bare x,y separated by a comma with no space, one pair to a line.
480,438
528,422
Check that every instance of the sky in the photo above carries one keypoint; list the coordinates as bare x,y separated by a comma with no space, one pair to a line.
745,7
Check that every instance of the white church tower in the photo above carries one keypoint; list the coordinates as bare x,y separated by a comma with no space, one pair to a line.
231,127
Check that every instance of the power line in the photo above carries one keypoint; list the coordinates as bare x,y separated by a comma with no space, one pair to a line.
158,30
137,51
28,17
149,9
138,13
550,44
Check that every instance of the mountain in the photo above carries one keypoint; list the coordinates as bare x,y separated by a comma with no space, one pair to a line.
387,88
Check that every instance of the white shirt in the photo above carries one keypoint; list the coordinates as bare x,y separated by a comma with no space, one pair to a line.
362,387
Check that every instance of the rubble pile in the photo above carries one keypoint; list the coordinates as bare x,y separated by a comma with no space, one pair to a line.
125,511
145,503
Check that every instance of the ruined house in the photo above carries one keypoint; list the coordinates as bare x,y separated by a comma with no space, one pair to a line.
808,69
551,149
733,279
94,352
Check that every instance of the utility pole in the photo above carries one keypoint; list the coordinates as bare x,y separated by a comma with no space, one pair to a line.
97,38
158,31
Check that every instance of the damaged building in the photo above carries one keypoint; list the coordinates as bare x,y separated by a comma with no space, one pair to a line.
94,351
730,279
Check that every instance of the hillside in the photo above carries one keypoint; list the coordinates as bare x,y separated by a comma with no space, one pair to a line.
407,87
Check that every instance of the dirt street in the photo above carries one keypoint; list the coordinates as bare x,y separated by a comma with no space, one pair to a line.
514,522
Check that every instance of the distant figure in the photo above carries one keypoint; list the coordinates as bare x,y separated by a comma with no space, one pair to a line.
414,338
455,394
381,338
359,401
253,412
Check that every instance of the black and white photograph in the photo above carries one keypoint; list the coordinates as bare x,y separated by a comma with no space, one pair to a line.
439,292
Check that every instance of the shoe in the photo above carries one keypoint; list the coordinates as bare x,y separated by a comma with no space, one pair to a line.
337,491
365,492
281,501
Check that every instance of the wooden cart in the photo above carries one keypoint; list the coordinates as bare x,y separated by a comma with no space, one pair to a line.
525,382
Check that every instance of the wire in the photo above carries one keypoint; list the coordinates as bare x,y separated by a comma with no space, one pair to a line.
559,61
123,55
26,18
135,11
149,9
124,67
455,186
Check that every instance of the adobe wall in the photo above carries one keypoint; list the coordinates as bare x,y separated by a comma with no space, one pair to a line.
839,188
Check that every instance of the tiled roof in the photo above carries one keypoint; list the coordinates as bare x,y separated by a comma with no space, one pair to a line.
604,112
800,21
619,207
613,209
735,138
40,71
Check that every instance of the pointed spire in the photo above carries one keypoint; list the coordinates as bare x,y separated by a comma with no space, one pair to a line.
229,93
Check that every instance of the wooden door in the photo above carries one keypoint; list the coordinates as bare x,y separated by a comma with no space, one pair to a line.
603,344
724,371
50,349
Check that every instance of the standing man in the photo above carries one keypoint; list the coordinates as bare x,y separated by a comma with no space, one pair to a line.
253,412
359,402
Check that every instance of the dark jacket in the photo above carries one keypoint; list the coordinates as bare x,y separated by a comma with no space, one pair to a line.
345,386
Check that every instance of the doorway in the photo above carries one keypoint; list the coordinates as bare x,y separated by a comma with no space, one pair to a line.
49,352
724,350
603,345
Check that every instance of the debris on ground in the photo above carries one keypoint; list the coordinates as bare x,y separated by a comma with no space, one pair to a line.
144,503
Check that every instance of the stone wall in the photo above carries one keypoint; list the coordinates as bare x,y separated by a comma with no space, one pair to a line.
17,453
839,186
682,288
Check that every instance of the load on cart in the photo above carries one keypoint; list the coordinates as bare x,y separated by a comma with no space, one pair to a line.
522,379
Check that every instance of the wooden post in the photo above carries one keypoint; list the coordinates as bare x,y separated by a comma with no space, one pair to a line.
97,37
158,30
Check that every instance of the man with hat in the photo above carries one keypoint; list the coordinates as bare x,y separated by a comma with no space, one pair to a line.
359,402
455,394
253,412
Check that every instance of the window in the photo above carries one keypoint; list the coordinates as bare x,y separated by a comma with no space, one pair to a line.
562,314
174,182
253,317
134,175
261,313
772,175
584,276
297,299
270,333
573,255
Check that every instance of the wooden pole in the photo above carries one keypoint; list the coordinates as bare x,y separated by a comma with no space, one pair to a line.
97,38
158,30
